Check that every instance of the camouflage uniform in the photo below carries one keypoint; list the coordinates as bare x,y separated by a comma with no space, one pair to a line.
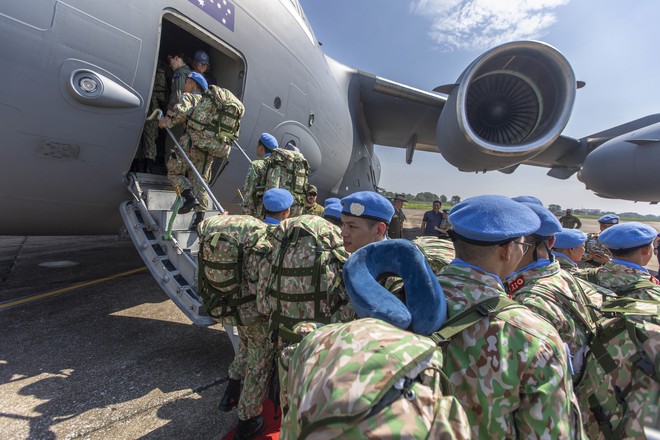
253,361
314,209
147,148
178,171
368,355
593,246
570,221
544,290
509,371
642,398
252,193
395,229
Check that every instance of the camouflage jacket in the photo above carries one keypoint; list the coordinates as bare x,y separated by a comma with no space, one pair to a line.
314,209
570,221
183,109
509,370
614,275
593,247
395,229
253,193
158,94
551,295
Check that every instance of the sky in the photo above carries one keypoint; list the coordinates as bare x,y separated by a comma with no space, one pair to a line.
611,44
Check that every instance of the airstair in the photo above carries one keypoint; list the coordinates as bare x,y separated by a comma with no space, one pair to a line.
162,239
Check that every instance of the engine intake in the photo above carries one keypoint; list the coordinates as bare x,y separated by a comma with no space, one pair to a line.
509,105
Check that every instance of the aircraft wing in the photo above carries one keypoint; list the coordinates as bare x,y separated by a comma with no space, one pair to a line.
398,115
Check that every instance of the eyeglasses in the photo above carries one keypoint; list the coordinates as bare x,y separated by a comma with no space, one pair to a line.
526,246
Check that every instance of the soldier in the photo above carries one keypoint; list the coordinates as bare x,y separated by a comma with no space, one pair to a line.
311,207
636,386
365,216
177,169
332,213
541,285
395,230
500,367
595,254
570,221
147,149
254,186
201,65
569,248
180,72
253,361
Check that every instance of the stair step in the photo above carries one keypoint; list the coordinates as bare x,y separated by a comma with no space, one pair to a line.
160,200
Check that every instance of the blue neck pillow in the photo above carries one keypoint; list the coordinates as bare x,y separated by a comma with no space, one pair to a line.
425,309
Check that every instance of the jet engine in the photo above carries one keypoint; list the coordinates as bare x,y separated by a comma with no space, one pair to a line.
509,105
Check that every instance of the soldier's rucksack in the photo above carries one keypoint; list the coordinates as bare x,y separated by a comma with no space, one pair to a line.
288,170
216,121
305,274
224,241
369,379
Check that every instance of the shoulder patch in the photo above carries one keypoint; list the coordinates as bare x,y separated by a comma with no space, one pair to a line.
516,284
654,280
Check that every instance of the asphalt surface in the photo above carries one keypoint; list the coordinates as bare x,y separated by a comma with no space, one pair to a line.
92,348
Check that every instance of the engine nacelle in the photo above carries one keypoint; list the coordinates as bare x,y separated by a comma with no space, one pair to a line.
509,105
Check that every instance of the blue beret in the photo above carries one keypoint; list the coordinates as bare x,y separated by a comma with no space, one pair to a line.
528,199
609,219
199,79
268,140
493,219
549,223
332,200
333,210
569,238
368,204
627,236
201,57
277,200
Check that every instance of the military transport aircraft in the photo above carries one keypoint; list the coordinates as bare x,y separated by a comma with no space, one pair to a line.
79,76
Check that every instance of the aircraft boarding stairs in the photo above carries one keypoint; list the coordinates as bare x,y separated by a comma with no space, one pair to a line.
162,239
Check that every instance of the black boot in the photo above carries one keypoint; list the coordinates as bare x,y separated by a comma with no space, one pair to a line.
197,219
189,202
248,429
232,394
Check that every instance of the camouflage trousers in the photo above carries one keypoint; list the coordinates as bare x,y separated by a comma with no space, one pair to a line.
179,173
147,148
253,364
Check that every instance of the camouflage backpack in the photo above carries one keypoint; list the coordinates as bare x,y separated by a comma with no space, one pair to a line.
216,121
288,170
621,371
304,281
224,241
369,379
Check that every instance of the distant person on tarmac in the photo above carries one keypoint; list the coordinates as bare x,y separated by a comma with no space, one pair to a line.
434,222
569,221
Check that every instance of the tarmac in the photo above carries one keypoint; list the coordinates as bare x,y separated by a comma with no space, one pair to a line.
92,348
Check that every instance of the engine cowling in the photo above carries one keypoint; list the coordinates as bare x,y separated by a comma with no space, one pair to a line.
509,105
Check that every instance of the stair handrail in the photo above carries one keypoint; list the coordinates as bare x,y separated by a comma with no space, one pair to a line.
217,205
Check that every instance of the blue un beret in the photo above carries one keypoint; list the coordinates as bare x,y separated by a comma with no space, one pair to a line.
332,200
609,219
277,200
333,210
528,199
268,141
549,223
199,79
627,236
368,204
569,238
493,219
201,57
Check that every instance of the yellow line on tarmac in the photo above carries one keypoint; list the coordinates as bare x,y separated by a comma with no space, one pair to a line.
38,296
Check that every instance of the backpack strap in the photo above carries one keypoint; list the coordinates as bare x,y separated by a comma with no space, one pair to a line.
638,285
470,316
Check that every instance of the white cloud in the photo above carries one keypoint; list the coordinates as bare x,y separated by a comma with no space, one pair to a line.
482,24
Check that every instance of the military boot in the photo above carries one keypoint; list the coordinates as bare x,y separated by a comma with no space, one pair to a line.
189,202
248,429
232,394
197,219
